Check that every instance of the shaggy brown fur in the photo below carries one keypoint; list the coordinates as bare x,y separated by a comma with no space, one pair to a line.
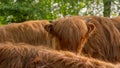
103,44
26,56
71,32
116,21
31,32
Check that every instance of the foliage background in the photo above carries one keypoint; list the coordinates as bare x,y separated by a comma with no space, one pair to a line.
22,10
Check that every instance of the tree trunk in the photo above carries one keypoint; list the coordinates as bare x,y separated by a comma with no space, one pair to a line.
107,8
119,8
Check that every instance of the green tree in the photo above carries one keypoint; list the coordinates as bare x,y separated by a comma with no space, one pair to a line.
22,10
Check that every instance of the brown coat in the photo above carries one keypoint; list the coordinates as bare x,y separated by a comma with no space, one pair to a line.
116,21
31,32
27,56
104,43
72,32
101,36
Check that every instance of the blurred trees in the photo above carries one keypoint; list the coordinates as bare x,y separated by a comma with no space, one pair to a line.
21,10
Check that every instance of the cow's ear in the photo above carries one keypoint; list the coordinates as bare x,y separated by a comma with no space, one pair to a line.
49,28
91,27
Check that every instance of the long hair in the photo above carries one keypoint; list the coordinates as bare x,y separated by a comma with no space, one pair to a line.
71,32
104,43
27,56
31,32
116,22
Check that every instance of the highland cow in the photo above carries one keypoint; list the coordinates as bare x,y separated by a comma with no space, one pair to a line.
109,48
74,35
27,56
103,41
71,32
31,32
